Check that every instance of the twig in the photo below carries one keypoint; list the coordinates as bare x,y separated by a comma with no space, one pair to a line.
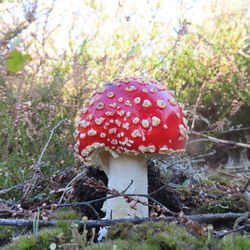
6,209
48,142
159,189
95,212
241,219
88,223
100,186
216,140
245,187
240,171
202,194
198,140
38,172
66,188
204,155
223,233
232,130
200,218
226,174
172,49
87,203
198,116
197,103
126,189
212,218
4,191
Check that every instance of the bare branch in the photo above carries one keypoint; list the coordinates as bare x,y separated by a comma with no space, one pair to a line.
128,196
47,143
223,233
246,186
197,103
18,186
36,166
125,190
77,177
101,187
216,140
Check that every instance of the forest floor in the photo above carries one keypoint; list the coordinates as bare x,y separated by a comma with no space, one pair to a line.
193,205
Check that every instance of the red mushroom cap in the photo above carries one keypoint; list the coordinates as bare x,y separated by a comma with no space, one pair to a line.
131,115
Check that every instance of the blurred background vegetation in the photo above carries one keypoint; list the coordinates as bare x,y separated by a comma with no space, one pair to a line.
54,53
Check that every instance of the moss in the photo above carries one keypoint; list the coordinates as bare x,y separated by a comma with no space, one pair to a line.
41,240
150,235
60,234
234,242
184,193
144,231
6,233
146,236
165,241
233,203
222,179
122,245
67,214
122,231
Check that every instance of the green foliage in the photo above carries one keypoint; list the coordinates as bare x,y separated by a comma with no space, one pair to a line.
150,235
216,178
67,214
25,127
41,240
234,242
145,236
6,234
155,234
16,61
61,235
207,66
236,203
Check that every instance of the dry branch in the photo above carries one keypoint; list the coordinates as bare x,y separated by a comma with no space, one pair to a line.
36,167
246,186
77,177
87,203
18,186
99,186
47,143
224,233
200,218
216,140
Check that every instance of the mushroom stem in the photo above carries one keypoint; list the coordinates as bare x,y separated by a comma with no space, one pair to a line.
120,172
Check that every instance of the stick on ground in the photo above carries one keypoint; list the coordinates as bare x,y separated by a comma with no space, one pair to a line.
200,218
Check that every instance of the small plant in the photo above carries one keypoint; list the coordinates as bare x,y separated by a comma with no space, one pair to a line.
36,221
81,238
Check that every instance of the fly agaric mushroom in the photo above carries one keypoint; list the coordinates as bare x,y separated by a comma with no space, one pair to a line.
122,124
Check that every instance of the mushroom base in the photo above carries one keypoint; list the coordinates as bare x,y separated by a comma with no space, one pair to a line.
120,172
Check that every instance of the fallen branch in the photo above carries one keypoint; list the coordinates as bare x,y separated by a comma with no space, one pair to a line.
200,218
224,233
216,140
